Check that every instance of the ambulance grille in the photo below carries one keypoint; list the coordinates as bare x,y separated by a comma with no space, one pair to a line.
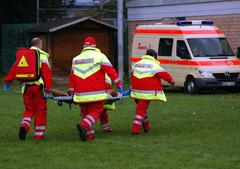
226,77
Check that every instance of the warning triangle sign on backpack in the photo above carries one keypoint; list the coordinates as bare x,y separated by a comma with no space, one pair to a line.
27,64
23,62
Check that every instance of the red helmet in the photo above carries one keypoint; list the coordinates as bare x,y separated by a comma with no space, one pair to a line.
90,41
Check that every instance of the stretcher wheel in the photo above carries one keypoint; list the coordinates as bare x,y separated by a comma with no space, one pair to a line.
60,103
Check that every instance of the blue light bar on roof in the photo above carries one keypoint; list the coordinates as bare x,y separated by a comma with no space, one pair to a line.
207,22
194,22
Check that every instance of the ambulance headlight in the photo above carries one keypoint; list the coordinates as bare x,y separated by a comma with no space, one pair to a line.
206,74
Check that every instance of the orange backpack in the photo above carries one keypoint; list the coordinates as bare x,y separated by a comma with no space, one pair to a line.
27,64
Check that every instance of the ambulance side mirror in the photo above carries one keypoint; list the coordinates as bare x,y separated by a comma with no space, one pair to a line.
238,52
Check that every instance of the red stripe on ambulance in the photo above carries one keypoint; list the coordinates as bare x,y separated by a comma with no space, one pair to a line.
195,63
180,32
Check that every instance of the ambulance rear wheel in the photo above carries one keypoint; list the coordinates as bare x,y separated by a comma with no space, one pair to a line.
191,86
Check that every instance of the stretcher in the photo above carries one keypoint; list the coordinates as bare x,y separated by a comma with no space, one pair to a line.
61,97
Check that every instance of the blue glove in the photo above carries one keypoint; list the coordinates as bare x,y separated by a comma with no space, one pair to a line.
120,89
6,87
48,96
126,92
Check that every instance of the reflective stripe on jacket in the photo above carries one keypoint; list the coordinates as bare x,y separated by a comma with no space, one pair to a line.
89,62
87,77
148,95
90,96
146,80
147,67
108,82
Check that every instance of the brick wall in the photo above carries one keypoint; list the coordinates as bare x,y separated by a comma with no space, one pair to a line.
229,24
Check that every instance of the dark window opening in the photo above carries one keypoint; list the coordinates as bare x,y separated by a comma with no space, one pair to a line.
165,47
182,50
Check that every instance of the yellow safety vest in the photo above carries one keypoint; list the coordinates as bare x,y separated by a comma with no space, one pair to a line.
108,80
147,67
107,105
86,64
43,59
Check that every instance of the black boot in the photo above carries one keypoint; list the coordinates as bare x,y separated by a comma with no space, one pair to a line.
22,133
82,132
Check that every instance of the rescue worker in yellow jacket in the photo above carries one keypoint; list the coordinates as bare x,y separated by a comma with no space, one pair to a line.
34,102
146,86
108,105
87,85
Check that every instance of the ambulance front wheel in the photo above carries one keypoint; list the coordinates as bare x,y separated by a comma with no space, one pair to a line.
191,86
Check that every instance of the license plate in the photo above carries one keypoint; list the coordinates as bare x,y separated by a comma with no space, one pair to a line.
228,83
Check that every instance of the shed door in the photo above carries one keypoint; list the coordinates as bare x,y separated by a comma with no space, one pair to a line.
67,45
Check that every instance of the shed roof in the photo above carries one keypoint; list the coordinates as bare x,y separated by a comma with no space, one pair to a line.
55,25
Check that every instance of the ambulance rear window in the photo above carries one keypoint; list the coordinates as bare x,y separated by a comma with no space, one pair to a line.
210,47
165,47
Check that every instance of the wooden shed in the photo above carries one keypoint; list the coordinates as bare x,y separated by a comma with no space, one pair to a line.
63,39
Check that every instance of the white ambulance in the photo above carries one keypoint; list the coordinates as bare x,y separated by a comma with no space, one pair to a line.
195,53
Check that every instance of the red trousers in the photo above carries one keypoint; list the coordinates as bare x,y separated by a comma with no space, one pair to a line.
104,119
141,118
90,113
35,107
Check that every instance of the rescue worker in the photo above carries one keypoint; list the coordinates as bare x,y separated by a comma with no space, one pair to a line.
34,102
108,105
87,85
146,86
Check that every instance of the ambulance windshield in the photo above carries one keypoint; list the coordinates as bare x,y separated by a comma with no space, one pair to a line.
210,47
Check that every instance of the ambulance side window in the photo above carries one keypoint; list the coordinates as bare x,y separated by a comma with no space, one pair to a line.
165,47
182,50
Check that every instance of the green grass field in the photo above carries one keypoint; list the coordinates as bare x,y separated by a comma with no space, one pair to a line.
188,132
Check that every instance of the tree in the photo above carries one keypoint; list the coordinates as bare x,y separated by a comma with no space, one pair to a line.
25,11
17,11
52,9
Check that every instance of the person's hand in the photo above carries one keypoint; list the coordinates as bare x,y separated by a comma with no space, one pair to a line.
47,96
70,93
112,92
172,82
48,91
126,92
6,87
120,89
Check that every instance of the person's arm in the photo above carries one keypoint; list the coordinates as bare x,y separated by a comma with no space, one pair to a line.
9,78
11,74
46,73
165,76
107,67
71,84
